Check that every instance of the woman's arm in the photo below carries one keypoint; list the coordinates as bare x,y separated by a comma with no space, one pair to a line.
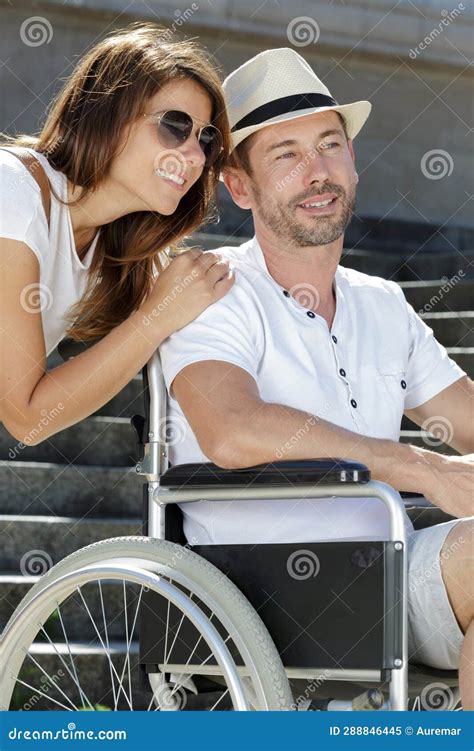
35,403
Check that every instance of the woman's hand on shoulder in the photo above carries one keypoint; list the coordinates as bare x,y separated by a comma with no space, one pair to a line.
189,284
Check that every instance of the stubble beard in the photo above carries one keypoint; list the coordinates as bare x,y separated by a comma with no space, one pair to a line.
281,218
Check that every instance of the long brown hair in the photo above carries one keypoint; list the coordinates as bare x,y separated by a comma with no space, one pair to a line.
110,85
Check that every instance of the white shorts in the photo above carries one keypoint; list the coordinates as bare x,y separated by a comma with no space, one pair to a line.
434,635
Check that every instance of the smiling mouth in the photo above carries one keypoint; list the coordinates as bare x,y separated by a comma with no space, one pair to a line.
171,176
317,204
319,207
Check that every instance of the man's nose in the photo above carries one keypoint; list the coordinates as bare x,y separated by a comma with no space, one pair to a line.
316,169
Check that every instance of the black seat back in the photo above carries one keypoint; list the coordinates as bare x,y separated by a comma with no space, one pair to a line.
325,605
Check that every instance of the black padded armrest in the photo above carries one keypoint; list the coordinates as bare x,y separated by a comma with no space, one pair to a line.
68,348
310,472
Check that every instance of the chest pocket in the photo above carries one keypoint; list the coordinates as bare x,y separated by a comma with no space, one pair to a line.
391,377
388,385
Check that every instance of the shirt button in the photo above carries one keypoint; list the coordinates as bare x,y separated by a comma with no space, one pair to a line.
334,338
286,293
342,372
310,314
353,403
403,384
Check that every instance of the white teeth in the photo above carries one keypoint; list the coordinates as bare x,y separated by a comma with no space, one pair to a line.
170,176
316,205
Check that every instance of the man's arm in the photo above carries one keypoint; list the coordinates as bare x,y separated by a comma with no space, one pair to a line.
450,415
236,428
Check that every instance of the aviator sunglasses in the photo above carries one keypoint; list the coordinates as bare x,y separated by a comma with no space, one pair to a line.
174,127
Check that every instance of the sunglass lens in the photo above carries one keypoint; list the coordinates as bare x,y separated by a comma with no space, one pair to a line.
174,128
211,143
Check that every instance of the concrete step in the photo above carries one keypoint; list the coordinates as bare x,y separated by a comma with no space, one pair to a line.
76,619
127,402
25,539
464,356
425,441
452,329
437,295
412,266
72,490
97,440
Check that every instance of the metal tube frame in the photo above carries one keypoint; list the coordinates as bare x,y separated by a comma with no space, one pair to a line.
155,464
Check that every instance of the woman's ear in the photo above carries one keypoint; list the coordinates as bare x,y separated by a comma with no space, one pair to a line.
237,183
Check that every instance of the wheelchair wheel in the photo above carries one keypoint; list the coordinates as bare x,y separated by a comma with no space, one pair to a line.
84,604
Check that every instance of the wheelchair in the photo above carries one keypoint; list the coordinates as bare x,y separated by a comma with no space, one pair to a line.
314,626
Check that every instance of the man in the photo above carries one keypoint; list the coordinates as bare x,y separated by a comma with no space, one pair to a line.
304,359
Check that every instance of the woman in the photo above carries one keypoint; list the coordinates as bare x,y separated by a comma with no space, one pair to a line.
132,149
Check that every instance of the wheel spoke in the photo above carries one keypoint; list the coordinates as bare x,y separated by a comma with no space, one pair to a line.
112,682
74,677
178,683
129,641
183,616
51,680
50,698
127,654
103,645
219,699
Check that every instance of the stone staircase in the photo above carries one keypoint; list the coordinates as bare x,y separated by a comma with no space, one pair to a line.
80,485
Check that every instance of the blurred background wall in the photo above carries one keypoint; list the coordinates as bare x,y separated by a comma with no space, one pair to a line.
410,59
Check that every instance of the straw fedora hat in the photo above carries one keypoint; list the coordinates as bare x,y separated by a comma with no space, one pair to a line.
276,86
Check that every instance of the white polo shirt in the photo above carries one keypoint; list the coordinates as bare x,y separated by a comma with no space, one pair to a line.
379,359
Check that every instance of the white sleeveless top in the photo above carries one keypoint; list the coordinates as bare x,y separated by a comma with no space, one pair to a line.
63,277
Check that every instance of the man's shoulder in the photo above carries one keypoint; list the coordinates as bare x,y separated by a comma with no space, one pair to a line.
239,255
357,280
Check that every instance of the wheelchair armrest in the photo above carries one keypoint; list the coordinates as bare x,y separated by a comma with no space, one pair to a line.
310,472
68,348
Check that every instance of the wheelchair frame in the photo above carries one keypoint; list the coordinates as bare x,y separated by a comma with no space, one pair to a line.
154,464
